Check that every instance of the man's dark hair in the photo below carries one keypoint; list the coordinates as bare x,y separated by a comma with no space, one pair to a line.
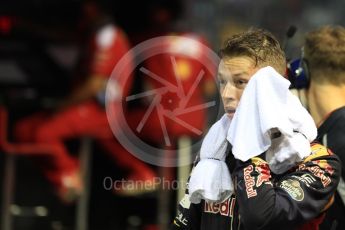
259,45
324,51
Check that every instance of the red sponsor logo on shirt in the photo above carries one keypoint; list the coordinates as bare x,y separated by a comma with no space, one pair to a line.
264,174
325,166
225,208
318,172
249,181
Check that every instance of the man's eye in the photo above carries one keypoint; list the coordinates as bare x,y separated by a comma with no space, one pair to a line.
241,83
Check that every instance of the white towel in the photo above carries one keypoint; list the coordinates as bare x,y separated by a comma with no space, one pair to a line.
266,107
210,179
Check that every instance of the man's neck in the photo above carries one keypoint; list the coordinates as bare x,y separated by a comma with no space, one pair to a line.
323,99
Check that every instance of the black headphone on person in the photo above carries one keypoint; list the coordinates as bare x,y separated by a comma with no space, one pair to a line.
297,69
298,73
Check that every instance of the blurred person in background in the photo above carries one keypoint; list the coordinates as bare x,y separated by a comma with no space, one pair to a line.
182,67
324,57
183,93
82,112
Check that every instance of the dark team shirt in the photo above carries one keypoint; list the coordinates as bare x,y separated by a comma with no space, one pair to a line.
262,200
332,134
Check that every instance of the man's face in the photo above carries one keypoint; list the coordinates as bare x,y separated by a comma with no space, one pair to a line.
233,76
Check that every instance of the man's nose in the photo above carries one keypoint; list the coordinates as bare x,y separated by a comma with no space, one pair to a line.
229,91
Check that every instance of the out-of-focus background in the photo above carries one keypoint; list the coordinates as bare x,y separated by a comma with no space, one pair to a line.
49,48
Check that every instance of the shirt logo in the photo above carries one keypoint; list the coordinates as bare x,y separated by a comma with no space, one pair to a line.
293,188
225,208
249,181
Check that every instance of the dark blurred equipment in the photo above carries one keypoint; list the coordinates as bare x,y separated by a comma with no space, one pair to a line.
289,34
28,65
14,150
296,68
28,70
30,78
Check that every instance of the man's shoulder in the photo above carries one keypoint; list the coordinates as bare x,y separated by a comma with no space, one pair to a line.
321,154
318,150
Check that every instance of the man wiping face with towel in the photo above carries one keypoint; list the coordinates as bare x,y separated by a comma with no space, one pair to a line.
258,168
